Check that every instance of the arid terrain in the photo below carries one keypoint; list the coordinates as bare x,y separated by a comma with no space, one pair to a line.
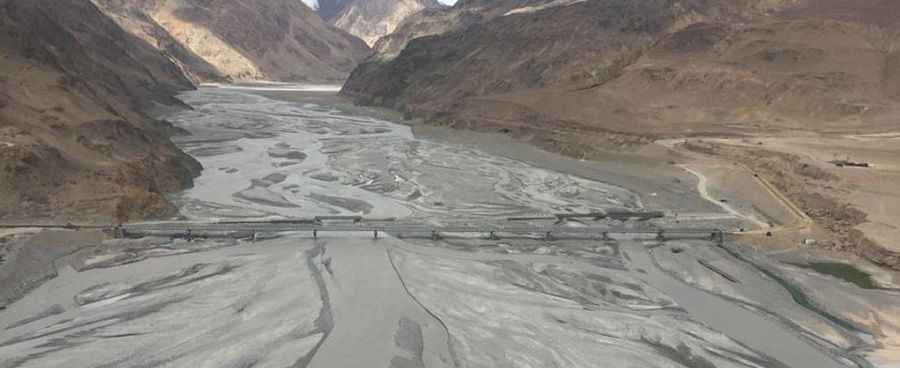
170,197
851,209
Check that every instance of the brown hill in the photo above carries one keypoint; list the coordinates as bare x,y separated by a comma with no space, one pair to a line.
281,40
371,19
73,144
572,75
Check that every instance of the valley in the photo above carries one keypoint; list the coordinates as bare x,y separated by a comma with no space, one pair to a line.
461,301
479,183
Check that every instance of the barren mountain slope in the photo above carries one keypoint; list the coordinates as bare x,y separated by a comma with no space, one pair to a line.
493,51
73,145
280,40
442,20
371,19
628,71
328,9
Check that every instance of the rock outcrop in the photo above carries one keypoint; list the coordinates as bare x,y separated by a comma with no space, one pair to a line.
278,40
371,19
75,144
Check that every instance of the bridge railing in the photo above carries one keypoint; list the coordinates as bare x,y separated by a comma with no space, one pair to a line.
548,232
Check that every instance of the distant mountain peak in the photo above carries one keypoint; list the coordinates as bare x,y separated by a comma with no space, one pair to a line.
371,19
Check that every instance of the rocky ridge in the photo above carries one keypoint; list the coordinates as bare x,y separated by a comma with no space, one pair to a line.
371,20
234,40
568,74
75,144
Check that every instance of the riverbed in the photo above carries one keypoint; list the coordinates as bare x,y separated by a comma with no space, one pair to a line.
345,300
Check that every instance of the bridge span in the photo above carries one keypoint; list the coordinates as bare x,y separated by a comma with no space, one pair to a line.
558,226
314,229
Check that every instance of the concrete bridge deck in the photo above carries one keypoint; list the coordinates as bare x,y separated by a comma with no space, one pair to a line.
411,230
314,226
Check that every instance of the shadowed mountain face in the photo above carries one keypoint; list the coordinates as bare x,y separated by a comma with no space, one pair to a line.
329,9
443,20
571,75
371,19
280,40
73,145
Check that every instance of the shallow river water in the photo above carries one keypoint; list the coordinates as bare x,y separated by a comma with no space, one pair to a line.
268,158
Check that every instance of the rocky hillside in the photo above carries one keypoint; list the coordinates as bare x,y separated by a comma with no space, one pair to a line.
575,75
443,20
281,40
371,19
73,144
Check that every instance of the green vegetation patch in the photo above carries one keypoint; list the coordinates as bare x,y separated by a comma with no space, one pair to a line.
844,272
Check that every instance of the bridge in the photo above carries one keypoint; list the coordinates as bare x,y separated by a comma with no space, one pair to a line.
344,225
621,215
251,229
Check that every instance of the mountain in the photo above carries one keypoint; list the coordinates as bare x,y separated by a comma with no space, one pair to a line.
74,142
371,19
572,76
328,9
443,20
282,40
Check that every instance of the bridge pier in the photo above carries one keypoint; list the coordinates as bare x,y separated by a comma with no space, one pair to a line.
493,236
184,230
719,237
119,232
